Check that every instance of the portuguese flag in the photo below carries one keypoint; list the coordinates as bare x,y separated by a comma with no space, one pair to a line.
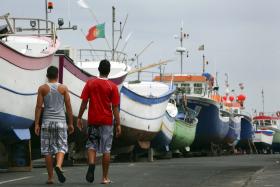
97,31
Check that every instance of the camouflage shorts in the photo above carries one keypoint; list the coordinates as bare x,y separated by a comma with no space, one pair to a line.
53,138
100,138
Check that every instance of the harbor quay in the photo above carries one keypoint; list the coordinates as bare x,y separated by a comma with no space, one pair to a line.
224,171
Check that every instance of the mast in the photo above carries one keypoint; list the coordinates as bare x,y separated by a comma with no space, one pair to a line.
46,9
262,100
113,32
181,49
181,52
203,61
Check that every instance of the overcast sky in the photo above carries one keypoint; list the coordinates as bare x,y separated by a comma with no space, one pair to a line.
241,37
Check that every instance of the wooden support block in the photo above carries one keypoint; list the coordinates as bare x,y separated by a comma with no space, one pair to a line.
15,158
151,155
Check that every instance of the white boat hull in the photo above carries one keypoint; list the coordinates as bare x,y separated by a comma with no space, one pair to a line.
21,75
263,137
143,118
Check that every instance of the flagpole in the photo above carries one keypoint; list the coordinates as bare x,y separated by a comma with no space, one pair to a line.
84,5
92,50
95,18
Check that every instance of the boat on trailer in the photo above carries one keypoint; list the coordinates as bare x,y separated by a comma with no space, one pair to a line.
88,61
246,133
163,138
25,55
143,106
233,111
202,97
267,134
184,131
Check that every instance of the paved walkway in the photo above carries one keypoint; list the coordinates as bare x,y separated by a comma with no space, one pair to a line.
224,171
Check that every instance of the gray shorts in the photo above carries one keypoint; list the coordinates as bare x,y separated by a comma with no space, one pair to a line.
53,137
100,138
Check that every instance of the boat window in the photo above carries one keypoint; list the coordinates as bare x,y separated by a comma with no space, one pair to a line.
267,122
274,123
256,123
197,88
187,87
261,123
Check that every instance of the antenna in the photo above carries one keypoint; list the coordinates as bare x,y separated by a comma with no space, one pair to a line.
181,49
137,56
262,100
121,31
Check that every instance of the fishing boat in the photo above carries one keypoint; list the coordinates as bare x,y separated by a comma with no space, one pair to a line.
267,132
164,137
246,134
232,109
76,78
184,132
24,59
202,97
143,106
89,59
213,125
76,66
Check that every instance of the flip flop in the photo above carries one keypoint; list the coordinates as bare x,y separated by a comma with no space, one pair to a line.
107,182
60,175
90,173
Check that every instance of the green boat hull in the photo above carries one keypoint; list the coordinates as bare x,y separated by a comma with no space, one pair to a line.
184,134
276,141
276,137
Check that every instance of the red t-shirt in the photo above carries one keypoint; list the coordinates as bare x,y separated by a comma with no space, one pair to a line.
102,95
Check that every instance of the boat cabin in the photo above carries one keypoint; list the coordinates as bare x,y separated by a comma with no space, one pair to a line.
195,85
263,121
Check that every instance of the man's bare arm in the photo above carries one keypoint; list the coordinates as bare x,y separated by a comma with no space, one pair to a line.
38,110
81,112
116,115
117,119
82,109
68,106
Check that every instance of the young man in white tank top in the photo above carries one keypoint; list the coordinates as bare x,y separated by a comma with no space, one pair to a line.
54,128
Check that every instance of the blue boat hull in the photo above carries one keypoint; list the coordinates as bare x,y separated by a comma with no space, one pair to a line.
247,131
210,128
246,135
276,147
9,123
161,142
233,135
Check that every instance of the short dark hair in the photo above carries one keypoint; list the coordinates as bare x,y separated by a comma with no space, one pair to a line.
52,72
104,67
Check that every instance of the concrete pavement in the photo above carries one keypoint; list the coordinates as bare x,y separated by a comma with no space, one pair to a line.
223,171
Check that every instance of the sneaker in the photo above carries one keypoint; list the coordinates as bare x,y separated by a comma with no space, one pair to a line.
90,173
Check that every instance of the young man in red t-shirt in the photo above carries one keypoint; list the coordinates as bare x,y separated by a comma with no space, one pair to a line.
104,99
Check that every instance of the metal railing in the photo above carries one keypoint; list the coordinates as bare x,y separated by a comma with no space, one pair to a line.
27,27
97,55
